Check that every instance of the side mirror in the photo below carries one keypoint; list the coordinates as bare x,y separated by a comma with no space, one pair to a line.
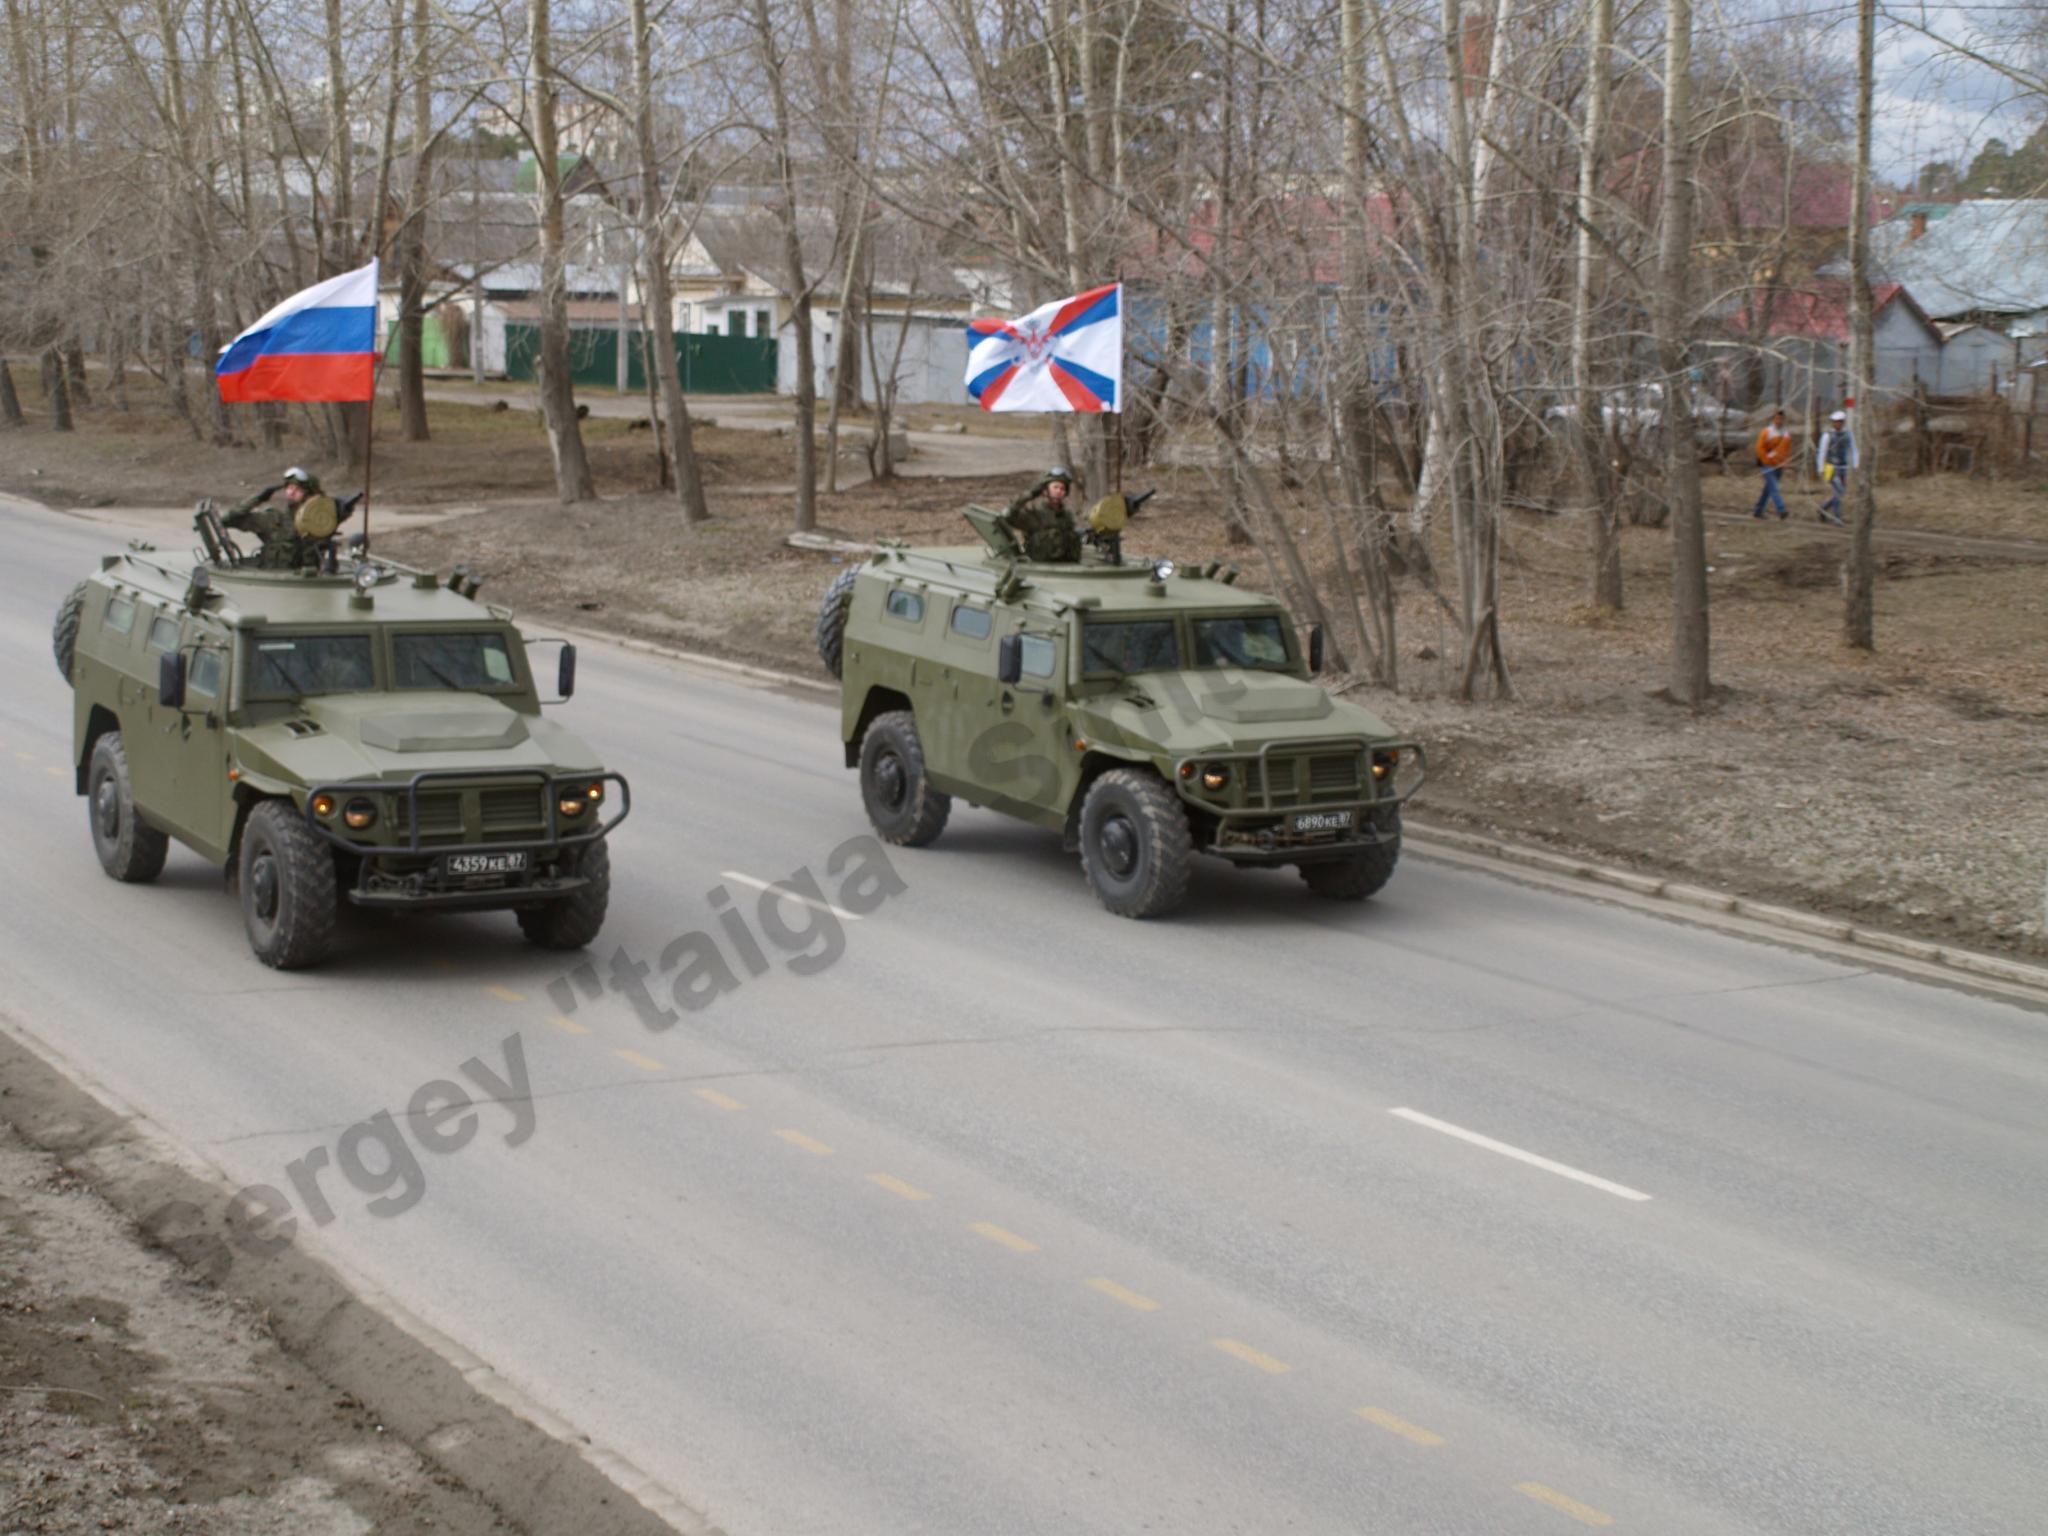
1315,648
1009,658
170,680
565,673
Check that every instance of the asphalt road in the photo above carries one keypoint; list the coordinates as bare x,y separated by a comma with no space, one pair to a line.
1475,1209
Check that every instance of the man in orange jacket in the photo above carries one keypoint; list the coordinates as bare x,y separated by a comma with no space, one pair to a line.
1773,450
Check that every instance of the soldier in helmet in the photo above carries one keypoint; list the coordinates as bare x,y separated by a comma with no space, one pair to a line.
294,534
1041,521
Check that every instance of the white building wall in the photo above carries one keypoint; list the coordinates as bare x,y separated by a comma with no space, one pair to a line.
932,369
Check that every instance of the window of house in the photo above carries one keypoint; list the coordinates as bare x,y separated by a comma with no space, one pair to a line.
762,322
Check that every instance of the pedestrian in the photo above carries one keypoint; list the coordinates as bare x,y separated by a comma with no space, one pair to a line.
1832,461
1773,449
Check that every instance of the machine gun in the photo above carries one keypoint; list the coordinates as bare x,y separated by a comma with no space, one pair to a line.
220,549
1107,520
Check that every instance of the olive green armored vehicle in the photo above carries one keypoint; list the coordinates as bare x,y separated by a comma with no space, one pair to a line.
371,736
1145,713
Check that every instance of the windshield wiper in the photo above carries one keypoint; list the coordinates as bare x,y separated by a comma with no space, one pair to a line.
446,681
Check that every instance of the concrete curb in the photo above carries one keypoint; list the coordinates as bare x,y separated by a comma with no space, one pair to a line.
1964,963
1788,920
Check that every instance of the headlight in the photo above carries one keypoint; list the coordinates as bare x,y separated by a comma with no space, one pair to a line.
571,805
365,576
1216,776
323,806
1385,761
360,814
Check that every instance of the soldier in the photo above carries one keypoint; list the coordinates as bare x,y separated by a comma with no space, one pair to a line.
293,535
1042,519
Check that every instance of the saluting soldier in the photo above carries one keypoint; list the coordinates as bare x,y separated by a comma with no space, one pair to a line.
1042,519
294,534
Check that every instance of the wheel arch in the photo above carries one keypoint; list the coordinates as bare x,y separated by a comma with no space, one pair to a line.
98,722
879,701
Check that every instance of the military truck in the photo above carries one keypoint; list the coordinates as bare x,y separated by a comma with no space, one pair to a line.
371,735
1144,712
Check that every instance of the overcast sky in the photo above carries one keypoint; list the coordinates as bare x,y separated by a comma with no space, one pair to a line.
1934,104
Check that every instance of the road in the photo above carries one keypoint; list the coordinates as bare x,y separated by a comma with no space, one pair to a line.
1475,1209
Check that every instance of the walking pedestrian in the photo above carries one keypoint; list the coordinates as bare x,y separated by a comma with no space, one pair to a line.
1833,460
1773,449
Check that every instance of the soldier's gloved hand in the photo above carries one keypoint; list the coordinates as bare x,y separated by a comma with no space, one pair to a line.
269,491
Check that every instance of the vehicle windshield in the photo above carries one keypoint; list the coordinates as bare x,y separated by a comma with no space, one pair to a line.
474,659
1149,645
1257,641
290,666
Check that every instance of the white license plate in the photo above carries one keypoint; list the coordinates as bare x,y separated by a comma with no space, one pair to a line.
1322,821
487,863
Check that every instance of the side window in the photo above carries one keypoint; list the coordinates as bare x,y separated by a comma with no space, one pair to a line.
972,623
120,614
163,633
907,606
206,673
1039,656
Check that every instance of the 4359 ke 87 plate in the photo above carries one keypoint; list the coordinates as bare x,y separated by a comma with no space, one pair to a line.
487,863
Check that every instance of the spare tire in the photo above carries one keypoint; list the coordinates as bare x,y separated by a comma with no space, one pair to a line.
831,631
64,633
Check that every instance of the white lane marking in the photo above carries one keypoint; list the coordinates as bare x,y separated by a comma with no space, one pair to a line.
1562,1170
784,893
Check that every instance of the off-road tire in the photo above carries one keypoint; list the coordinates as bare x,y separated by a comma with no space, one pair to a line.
1362,874
290,896
831,631
1136,848
64,633
898,793
130,849
572,921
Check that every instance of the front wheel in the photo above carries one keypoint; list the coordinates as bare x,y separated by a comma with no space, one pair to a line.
1136,848
572,921
290,897
1363,873
130,849
901,801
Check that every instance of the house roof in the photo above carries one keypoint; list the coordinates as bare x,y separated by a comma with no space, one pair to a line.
1819,311
1986,255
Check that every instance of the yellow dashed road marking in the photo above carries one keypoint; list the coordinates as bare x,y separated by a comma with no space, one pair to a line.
506,994
896,1186
713,1096
1400,1427
1008,1239
57,773
809,1144
25,757
1252,1356
644,1063
568,1025
1585,1514
1128,1297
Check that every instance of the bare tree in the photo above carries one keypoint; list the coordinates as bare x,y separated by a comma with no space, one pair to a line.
557,392
1859,625
1690,682
1602,509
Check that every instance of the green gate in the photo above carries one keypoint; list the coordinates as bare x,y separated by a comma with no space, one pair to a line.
710,365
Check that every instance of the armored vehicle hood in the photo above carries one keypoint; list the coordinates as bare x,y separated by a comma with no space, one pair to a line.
1213,709
338,737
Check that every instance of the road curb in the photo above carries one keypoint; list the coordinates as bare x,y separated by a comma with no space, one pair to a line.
1791,921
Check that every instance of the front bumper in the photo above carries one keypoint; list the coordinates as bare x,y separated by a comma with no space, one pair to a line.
1264,831
411,870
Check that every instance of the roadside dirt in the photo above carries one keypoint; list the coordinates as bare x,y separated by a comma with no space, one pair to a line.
1907,789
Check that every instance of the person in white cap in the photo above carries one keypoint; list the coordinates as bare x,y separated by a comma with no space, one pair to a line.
1837,449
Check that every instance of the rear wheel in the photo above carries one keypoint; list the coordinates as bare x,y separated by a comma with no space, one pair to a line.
1362,874
64,633
1136,848
290,896
900,799
572,921
831,631
130,849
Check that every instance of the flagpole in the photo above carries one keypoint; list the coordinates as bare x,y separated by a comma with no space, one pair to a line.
1116,436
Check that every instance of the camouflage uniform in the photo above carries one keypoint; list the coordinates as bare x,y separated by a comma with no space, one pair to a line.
1045,527
291,539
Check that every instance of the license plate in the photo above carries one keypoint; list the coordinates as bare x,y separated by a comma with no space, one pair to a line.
487,863
1322,821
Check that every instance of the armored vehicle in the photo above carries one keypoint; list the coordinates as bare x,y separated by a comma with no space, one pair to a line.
371,735
1143,712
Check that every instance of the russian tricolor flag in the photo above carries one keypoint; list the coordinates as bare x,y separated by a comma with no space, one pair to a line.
1064,356
319,345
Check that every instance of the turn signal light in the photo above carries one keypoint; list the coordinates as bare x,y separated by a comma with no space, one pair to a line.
1384,763
596,792
323,806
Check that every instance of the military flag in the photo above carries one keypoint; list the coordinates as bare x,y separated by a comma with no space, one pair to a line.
1064,356
318,345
